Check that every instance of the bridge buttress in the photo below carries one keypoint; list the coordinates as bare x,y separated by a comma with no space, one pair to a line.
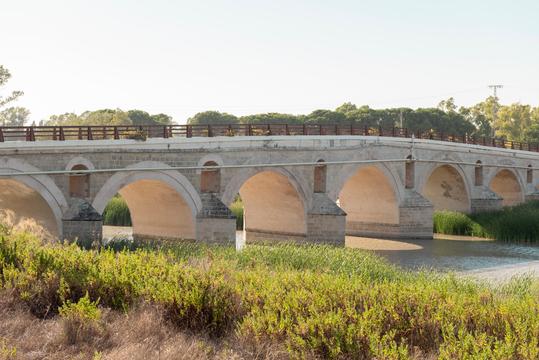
326,221
484,199
215,223
82,224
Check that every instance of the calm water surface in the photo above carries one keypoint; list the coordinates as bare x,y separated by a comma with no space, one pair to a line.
459,254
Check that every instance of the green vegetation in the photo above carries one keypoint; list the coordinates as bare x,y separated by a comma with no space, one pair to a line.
117,213
237,210
516,122
108,117
315,301
517,223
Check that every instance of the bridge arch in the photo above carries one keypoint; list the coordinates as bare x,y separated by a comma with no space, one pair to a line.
370,196
163,203
31,197
275,203
447,188
507,184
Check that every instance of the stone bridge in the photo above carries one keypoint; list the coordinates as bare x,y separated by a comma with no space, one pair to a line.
302,188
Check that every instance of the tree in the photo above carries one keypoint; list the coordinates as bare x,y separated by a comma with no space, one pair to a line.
512,121
212,117
272,118
162,119
326,117
5,75
14,116
140,117
346,108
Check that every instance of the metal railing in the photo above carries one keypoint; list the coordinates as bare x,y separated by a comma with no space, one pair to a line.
62,133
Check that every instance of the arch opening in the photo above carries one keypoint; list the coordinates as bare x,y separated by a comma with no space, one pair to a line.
272,208
446,190
370,202
79,184
506,185
155,210
24,208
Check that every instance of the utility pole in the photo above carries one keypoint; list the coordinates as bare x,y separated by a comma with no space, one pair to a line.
494,108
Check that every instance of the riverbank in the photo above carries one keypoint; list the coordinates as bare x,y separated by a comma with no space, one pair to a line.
297,301
517,224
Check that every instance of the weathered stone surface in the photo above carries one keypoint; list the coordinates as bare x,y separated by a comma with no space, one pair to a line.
282,203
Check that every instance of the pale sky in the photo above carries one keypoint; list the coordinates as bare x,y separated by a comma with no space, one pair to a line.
248,56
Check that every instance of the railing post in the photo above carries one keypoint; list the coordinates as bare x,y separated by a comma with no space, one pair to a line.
406,132
31,135
484,141
104,132
365,130
210,132
249,130
304,129
380,131
116,133
503,143
393,131
1,135
189,131
80,133
286,129
319,129
336,129
352,129
62,135
268,129
493,142
165,132
512,145
54,133
90,135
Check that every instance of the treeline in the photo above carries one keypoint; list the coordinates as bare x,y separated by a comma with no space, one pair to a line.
108,117
513,122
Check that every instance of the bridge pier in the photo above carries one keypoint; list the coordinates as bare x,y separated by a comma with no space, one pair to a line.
326,222
215,223
82,224
485,200
414,221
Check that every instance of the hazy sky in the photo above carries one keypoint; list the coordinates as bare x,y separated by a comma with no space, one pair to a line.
181,57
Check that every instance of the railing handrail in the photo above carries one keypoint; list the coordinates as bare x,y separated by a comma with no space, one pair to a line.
115,132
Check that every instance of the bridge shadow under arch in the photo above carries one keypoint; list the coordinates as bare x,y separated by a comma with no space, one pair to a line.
446,189
273,205
506,184
23,207
163,204
370,201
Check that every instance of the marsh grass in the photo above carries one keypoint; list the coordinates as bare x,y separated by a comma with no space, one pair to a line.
117,213
518,223
237,209
314,301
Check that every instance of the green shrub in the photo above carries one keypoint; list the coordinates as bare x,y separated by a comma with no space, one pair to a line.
117,213
81,320
317,301
237,210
